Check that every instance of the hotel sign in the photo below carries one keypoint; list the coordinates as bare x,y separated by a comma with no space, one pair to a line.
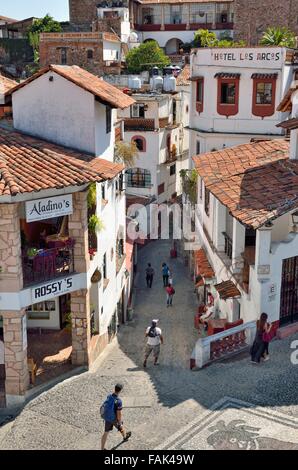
51,289
239,57
49,208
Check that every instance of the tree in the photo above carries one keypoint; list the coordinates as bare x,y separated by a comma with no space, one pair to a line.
205,38
146,56
42,25
278,37
126,153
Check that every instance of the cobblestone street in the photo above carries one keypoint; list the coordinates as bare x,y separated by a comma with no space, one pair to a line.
167,406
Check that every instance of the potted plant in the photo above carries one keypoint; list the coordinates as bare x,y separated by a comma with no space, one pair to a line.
92,252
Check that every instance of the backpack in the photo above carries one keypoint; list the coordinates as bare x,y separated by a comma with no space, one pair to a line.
107,409
152,332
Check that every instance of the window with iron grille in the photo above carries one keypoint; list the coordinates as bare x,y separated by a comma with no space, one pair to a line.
207,201
108,119
138,178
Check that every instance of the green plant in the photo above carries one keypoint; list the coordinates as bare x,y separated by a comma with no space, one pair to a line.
205,38
42,25
68,322
91,197
95,224
189,184
146,56
278,37
32,252
126,153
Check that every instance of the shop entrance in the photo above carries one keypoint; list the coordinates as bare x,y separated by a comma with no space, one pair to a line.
289,291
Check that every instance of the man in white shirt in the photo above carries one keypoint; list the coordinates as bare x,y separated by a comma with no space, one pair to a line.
210,310
154,340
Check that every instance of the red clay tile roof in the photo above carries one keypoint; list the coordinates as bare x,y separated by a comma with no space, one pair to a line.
257,182
8,20
286,103
108,170
184,77
30,165
6,84
227,290
202,264
105,92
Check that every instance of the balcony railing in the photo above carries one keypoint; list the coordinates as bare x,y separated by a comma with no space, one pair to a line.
139,124
47,265
223,344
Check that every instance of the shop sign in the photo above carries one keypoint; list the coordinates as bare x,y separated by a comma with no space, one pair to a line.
51,290
49,208
247,56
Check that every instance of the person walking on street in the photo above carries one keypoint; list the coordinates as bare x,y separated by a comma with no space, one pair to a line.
170,281
154,340
111,412
170,294
260,347
149,275
165,275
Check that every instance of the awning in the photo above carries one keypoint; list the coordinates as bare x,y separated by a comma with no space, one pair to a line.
227,290
289,124
265,75
227,75
202,265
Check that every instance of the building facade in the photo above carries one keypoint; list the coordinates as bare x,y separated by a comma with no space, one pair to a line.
235,93
63,216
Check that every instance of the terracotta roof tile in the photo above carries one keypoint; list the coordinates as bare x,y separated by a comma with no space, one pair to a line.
29,165
6,84
227,290
102,90
108,170
184,77
257,182
203,267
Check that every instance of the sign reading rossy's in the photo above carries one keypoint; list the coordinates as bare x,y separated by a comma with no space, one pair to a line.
49,208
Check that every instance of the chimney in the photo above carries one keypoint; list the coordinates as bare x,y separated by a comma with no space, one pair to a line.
294,132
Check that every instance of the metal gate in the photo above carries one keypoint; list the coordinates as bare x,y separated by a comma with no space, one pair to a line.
289,291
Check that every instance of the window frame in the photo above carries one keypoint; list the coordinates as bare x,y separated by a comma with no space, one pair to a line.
227,109
200,91
207,201
142,139
263,109
90,52
63,55
173,170
137,106
108,119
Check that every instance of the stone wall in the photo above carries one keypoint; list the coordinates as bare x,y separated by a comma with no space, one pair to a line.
253,17
11,273
82,13
16,368
77,53
81,332
78,230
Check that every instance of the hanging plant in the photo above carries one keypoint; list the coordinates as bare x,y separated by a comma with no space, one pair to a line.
189,183
95,224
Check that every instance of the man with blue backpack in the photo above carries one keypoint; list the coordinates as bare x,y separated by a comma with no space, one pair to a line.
111,413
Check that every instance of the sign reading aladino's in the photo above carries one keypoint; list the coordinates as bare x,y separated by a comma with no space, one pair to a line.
51,289
49,208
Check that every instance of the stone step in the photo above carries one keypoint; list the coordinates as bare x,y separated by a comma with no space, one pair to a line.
287,331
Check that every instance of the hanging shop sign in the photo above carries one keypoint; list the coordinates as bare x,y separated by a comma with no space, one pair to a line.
49,208
52,289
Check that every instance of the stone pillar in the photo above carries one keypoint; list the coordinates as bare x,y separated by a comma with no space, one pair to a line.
78,230
238,246
81,334
220,226
11,278
15,357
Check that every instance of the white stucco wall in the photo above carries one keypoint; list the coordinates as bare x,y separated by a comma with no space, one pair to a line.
52,324
104,143
58,111
111,50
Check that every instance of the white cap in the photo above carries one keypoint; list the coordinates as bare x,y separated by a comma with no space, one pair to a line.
155,321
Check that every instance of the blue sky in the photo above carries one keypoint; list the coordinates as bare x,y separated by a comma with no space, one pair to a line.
20,9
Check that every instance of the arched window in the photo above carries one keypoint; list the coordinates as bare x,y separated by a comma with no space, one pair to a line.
140,143
138,178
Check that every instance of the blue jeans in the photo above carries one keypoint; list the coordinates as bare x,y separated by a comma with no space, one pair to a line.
169,299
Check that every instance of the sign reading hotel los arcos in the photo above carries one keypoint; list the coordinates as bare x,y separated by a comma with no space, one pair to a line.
51,289
49,208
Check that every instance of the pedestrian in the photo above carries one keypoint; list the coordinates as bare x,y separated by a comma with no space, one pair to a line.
260,347
149,275
154,340
170,294
111,412
209,311
165,274
171,281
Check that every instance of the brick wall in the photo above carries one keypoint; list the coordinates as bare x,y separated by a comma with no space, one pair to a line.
253,17
50,53
82,13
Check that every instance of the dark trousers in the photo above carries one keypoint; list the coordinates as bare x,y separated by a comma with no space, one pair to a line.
165,280
149,280
257,350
